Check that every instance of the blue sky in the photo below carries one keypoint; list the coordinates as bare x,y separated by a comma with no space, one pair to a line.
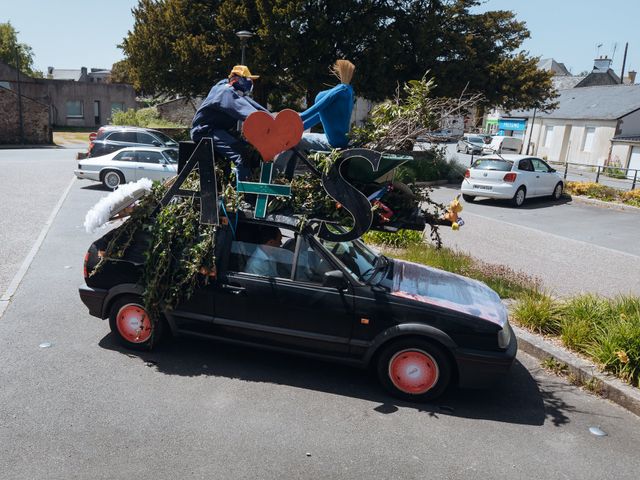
75,33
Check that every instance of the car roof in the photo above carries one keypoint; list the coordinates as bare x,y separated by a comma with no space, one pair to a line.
511,157
146,149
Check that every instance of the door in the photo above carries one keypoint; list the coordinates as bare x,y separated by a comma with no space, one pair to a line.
118,140
546,180
634,163
126,162
274,295
152,165
96,112
527,177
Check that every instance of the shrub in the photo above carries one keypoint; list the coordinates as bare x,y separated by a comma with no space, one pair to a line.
399,239
580,317
617,347
539,312
632,197
145,117
592,190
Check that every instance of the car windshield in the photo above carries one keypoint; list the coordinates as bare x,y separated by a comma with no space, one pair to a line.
475,139
172,156
492,164
360,261
165,139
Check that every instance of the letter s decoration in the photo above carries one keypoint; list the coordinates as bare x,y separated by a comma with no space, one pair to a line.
351,199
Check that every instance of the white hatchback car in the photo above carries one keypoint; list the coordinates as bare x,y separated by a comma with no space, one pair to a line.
511,177
129,165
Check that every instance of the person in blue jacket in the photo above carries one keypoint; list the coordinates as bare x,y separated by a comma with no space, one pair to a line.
333,109
227,103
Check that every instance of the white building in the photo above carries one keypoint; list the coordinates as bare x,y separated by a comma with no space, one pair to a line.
583,126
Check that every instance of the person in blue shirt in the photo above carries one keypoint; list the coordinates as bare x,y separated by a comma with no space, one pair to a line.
332,108
227,103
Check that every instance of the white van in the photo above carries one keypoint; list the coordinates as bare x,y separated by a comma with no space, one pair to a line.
503,144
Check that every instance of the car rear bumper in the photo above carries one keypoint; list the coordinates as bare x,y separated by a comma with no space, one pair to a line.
94,299
479,369
478,188
86,175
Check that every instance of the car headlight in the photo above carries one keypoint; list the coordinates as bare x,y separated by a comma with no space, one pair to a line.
504,336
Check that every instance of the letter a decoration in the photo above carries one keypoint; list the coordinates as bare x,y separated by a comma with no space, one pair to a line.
270,136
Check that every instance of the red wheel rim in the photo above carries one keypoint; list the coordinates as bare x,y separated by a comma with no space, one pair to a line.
413,371
134,324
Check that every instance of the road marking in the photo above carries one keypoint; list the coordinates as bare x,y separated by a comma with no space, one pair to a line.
17,279
543,232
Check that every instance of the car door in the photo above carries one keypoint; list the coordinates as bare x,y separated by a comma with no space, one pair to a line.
527,177
152,165
289,308
546,179
117,140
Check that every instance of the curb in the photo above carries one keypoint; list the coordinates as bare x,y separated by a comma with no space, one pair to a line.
431,184
582,371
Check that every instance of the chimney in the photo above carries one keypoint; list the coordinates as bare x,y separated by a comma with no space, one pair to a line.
632,76
602,64
49,70
83,73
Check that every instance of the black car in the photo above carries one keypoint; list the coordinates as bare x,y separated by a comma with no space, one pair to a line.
111,138
420,328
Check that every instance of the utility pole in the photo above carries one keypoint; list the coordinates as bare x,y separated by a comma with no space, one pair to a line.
19,96
624,62
243,35
533,122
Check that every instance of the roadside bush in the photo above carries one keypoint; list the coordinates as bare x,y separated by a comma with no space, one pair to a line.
592,190
539,312
617,348
632,197
399,239
580,317
428,166
145,117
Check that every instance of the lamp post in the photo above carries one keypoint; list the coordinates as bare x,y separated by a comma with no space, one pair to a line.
244,36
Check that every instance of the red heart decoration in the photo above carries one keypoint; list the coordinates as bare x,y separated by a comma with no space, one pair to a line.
269,135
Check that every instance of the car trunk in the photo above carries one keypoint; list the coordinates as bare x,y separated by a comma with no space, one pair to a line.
489,172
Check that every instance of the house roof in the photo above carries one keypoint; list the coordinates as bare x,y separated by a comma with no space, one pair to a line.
65,74
592,103
550,64
599,78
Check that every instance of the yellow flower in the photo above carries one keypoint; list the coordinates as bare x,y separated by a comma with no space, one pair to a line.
455,226
622,356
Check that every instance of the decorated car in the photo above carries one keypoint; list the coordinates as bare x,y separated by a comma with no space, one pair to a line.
275,262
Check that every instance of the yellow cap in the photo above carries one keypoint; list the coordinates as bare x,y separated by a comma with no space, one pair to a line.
242,71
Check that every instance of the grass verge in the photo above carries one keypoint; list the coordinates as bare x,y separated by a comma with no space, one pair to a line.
604,193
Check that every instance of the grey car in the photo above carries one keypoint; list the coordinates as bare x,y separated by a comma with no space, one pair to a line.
470,144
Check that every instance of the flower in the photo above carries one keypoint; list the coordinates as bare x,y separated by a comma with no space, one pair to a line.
622,356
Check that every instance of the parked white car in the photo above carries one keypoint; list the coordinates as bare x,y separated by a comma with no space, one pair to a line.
129,165
511,177
503,144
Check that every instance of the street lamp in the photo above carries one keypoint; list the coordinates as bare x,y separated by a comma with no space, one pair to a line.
244,36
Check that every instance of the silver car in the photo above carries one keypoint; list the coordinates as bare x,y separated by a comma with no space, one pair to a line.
129,165
470,144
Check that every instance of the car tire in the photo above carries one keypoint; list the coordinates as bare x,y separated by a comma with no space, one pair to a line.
112,179
132,326
519,198
468,198
557,191
414,369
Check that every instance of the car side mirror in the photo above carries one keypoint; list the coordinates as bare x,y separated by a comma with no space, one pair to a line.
334,279
157,144
552,170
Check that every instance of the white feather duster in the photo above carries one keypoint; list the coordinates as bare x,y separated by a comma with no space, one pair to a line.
115,202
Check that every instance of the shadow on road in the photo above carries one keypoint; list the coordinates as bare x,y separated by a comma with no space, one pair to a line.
529,204
97,186
517,399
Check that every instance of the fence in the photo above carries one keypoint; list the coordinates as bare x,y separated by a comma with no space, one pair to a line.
617,177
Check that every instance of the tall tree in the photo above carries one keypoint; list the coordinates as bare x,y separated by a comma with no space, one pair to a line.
12,52
181,46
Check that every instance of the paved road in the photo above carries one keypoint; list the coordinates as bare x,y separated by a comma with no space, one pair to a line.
84,408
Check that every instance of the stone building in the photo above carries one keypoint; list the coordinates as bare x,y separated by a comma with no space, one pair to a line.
35,119
81,103
179,110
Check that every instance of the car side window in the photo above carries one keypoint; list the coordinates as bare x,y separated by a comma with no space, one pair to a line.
258,251
526,165
128,137
149,157
145,138
311,265
125,156
540,166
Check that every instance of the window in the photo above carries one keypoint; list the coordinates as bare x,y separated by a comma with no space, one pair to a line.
128,137
117,107
171,156
492,164
168,141
126,156
146,139
587,141
263,250
311,265
149,157
358,259
526,165
75,109
540,166
548,136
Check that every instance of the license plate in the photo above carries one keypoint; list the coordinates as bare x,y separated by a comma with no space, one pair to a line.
483,187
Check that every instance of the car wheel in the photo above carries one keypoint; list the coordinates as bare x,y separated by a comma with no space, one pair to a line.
414,370
557,192
112,179
519,197
132,326
468,198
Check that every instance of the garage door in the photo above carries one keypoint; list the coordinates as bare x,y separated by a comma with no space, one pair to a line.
634,162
